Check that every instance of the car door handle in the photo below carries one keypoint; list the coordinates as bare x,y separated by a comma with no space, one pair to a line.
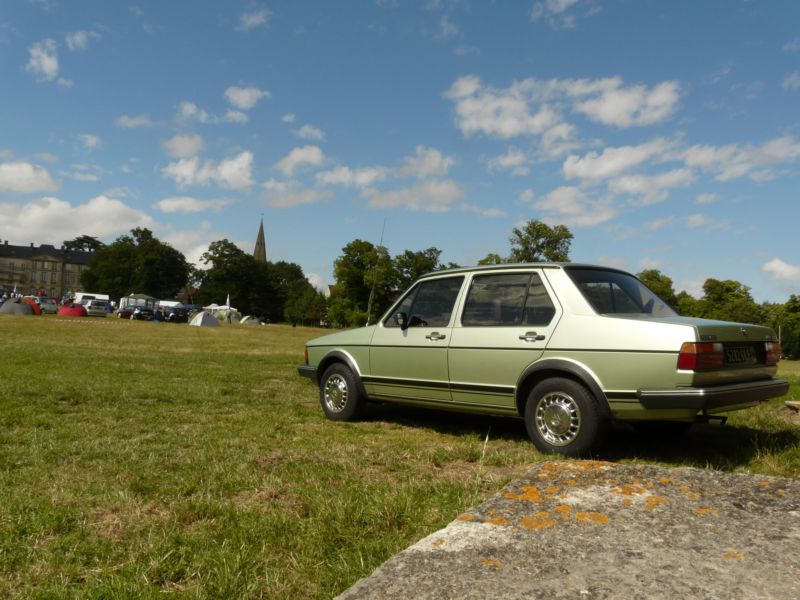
435,336
531,336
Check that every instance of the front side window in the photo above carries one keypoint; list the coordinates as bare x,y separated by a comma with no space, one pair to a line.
428,304
506,300
613,292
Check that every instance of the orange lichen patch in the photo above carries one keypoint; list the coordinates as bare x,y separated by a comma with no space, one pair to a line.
529,493
497,521
495,564
732,554
551,489
466,517
689,493
571,481
781,492
763,484
491,511
654,501
704,512
438,543
649,485
538,521
628,490
592,517
627,502
664,480
563,510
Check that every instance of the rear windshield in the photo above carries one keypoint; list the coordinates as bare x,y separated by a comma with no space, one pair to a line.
613,292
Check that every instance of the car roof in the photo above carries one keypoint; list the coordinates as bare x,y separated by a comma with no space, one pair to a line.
520,266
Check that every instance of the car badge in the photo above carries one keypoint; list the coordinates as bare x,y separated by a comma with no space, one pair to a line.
743,331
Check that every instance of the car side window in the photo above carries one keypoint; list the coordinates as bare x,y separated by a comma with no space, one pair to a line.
506,300
429,304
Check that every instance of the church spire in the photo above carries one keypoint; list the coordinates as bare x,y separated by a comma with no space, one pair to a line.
260,252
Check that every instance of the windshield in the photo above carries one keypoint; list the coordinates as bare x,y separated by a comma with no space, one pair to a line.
613,292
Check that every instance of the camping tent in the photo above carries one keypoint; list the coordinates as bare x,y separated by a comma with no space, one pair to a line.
37,310
71,310
250,320
204,319
16,307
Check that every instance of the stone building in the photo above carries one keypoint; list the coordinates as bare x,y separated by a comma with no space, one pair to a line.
45,269
260,252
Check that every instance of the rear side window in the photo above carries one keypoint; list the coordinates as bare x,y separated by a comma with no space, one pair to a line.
613,292
506,300
428,304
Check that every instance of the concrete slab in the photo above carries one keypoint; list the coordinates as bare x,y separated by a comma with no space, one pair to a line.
586,529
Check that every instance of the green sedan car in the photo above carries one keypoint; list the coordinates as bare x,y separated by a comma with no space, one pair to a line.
569,348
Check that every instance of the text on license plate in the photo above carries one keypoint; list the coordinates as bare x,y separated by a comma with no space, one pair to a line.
740,355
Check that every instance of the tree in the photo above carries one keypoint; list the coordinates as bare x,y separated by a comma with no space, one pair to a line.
363,270
136,263
660,284
730,300
83,242
492,259
409,266
787,322
537,241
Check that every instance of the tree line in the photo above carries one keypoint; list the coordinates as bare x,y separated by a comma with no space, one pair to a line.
368,279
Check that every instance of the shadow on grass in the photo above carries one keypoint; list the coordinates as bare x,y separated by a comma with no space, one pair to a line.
725,448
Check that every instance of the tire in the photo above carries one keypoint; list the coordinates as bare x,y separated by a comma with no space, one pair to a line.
563,417
340,394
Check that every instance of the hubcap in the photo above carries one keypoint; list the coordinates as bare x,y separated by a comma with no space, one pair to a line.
336,393
558,418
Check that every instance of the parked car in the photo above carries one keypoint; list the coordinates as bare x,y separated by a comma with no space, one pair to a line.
176,315
566,347
96,308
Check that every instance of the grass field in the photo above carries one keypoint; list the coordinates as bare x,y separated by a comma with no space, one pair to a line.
152,460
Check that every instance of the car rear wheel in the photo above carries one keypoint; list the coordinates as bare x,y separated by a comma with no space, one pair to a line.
563,417
340,394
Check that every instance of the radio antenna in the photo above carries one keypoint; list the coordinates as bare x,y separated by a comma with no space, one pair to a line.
375,274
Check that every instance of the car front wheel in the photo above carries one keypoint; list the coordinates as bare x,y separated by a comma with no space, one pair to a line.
563,417
339,394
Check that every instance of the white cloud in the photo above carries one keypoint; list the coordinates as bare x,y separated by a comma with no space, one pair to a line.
779,269
298,157
255,18
657,224
245,98
184,146
46,157
194,242
734,161
706,198
130,122
555,13
189,110
571,206
79,40
428,196
43,61
55,219
513,160
792,45
318,281
236,116
527,196
189,205
426,162
791,81
85,173
288,118
361,177
233,173
286,194
89,141
649,263
697,220
612,161
447,28
484,212
650,189
631,106
25,178
309,132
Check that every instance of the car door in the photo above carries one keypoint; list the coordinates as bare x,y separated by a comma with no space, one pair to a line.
408,353
505,324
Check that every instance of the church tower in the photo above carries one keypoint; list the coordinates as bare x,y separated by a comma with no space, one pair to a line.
260,252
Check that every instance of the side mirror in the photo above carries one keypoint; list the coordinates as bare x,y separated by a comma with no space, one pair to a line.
401,319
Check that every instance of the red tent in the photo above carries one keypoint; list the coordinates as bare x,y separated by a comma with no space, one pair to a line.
72,310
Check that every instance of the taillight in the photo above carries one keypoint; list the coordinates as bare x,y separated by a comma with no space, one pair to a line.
773,353
305,354
700,356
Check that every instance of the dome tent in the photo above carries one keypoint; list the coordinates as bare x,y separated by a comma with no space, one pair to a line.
16,306
204,319
72,310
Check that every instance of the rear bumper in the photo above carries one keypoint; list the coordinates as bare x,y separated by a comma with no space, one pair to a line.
751,392
307,371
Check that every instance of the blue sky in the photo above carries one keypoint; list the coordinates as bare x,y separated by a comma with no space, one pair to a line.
663,134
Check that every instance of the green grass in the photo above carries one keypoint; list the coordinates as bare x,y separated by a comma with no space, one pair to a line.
153,460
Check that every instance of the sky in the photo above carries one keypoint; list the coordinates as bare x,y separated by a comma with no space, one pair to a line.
663,134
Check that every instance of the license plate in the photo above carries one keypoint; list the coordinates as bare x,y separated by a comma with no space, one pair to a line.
740,355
